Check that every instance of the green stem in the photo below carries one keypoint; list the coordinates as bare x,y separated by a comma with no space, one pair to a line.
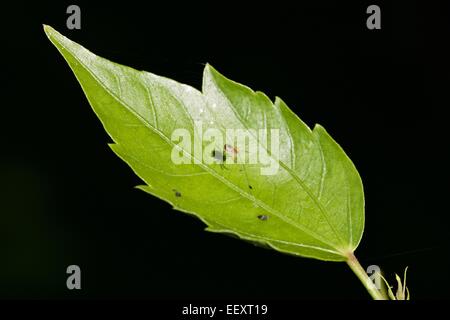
353,263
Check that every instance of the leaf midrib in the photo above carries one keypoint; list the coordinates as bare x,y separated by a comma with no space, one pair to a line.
268,240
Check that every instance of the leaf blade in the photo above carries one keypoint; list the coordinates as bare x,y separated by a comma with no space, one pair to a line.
140,111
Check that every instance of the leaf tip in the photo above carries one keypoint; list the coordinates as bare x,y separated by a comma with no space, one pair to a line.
279,102
47,29
319,130
318,127
209,69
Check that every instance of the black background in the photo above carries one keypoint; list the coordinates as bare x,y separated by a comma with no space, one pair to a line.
65,198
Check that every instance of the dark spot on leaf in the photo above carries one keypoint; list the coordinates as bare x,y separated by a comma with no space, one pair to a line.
263,217
219,156
177,193
250,186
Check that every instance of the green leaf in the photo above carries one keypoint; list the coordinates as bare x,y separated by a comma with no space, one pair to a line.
310,203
